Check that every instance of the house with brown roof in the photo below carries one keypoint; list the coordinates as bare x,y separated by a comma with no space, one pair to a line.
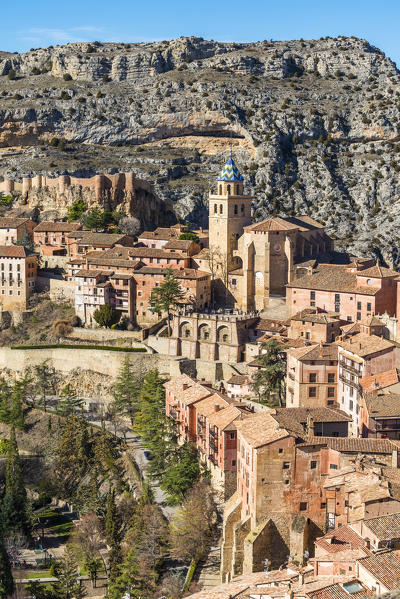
337,552
312,376
315,325
11,229
361,356
50,237
18,270
380,572
239,386
382,532
352,291
79,243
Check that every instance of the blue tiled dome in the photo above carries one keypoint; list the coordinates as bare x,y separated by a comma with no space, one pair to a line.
230,172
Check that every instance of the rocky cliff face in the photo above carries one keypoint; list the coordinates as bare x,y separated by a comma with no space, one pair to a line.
314,125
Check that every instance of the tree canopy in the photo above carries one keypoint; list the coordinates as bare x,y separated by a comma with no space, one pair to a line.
167,296
106,316
272,372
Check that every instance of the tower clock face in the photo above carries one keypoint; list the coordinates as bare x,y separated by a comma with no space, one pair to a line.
277,247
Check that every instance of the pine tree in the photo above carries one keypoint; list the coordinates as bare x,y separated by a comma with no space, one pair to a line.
68,585
16,405
167,296
70,402
6,578
126,391
14,509
113,536
26,240
157,432
269,378
182,473
5,392
129,579
46,380
73,451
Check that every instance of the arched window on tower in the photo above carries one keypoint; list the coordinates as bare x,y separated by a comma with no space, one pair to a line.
237,190
228,190
215,208
236,208
221,208
242,208
220,190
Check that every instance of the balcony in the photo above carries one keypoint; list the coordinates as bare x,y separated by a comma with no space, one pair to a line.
213,433
213,446
353,384
212,459
200,431
356,371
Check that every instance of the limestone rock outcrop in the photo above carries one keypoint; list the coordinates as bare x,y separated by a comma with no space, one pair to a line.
314,125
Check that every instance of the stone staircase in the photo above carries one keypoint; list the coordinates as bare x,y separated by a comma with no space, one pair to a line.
208,572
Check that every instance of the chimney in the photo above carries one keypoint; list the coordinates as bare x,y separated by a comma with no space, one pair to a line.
301,577
216,407
185,386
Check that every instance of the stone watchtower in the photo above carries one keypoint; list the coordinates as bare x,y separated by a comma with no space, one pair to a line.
229,212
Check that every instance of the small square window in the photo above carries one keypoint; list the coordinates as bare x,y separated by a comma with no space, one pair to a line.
312,377
233,462
286,465
280,450
313,464
312,392
303,506
331,377
333,466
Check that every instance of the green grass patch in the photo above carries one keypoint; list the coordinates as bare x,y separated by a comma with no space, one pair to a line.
43,574
77,346
55,523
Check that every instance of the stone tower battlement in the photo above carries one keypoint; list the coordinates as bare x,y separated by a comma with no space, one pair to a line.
100,183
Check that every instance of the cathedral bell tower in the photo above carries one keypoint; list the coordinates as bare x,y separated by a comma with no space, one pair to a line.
229,212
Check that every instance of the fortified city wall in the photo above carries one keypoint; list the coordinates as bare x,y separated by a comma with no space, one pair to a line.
134,196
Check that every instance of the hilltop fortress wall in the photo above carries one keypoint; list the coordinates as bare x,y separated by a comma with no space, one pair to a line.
123,190
99,183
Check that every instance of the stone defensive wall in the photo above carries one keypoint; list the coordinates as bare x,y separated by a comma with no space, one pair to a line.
66,360
101,183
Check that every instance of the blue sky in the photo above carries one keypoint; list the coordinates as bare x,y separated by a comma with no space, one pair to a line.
38,23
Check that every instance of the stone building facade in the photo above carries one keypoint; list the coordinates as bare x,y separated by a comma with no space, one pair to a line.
18,268
211,336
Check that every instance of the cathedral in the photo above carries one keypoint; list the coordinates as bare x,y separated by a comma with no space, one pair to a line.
249,262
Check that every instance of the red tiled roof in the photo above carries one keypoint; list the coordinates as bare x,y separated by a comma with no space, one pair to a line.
12,222
340,539
384,567
14,251
329,277
56,226
352,444
379,380
386,528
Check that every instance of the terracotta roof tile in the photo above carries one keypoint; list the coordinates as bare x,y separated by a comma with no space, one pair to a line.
84,272
14,251
329,277
385,405
239,379
176,384
337,591
310,315
365,345
178,244
209,405
379,380
385,528
324,351
56,226
195,393
384,567
273,223
261,429
317,414
352,444
92,238
377,271
12,222
227,416
340,539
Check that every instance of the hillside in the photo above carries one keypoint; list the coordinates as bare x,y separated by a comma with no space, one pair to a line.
314,125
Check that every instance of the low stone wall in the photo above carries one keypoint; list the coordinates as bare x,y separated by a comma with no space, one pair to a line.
58,289
109,336
67,360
